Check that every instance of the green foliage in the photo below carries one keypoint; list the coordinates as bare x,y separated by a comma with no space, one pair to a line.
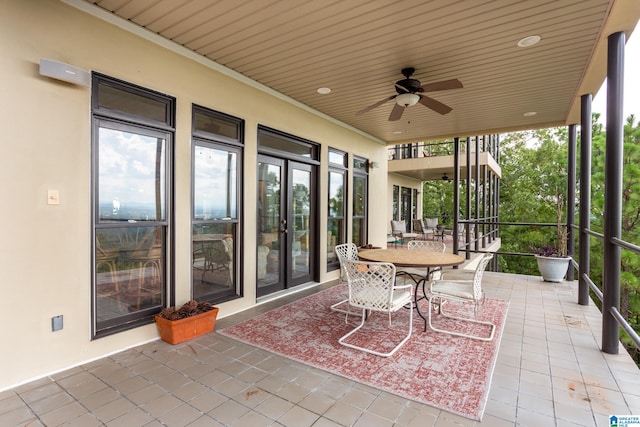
438,201
533,188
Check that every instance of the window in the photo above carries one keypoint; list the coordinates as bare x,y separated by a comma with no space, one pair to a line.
360,200
336,225
132,148
396,203
405,208
216,159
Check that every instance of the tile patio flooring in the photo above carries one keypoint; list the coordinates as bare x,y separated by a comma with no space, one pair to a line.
549,372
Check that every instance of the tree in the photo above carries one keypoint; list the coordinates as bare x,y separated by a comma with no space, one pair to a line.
630,262
533,190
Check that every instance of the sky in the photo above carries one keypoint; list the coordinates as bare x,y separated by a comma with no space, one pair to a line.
631,98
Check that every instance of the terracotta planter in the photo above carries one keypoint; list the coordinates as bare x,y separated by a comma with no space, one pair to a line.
177,331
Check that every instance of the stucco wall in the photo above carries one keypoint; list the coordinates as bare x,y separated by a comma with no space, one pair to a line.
45,249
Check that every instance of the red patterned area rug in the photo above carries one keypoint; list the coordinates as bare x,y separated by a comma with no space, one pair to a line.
445,371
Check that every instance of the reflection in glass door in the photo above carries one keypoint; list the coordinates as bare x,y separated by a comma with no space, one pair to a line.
270,266
299,224
284,224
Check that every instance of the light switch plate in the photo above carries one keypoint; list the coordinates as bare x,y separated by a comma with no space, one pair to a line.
53,197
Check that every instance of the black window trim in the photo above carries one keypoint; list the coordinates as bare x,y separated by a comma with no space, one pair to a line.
121,121
212,140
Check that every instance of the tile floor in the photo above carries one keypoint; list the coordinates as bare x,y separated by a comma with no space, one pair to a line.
550,372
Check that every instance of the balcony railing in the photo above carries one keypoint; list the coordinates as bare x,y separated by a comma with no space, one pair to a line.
585,278
487,143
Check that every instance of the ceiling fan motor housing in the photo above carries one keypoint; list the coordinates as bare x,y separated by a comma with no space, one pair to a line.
410,85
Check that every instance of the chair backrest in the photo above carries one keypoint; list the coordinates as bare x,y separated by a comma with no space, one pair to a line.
398,227
370,284
418,226
477,276
345,251
427,245
432,223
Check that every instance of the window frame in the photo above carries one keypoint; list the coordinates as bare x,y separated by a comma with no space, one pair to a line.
135,124
360,171
342,169
211,140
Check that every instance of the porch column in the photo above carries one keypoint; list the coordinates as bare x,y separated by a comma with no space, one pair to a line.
584,223
476,230
571,196
456,193
468,200
497,189
613,196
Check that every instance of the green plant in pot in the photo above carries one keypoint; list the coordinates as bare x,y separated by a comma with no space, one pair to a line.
553,261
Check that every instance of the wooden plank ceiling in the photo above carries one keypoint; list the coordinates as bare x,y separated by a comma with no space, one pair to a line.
357,49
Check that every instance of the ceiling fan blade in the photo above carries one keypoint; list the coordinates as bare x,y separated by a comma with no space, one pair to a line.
436,106
396,113
443,85
376,105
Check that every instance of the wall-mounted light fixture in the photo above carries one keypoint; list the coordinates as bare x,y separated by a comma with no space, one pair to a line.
65,72
372,165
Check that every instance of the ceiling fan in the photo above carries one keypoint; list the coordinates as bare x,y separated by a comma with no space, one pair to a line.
410,92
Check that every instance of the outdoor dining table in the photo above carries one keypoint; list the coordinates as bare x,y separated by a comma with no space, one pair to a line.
416,258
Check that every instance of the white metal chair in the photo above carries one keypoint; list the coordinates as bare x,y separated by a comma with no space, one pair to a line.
433,246
345,251
465,291
372,288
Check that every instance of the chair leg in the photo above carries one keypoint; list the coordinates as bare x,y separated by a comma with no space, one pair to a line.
463,319
335,307
367,350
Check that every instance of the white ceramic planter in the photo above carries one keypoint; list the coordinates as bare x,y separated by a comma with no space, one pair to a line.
553,269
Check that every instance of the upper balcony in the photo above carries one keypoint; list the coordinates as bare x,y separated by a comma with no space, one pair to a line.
435,161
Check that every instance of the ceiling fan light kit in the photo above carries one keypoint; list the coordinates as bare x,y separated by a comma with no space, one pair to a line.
410,92
407,99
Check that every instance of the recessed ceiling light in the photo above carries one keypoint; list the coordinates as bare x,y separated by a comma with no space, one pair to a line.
530,113
529,41
397,132
323,90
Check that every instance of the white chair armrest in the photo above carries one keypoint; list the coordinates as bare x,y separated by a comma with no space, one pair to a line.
401,287
459,289
455,281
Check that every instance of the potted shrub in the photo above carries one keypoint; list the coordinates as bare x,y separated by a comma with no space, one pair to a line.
189,321
553,261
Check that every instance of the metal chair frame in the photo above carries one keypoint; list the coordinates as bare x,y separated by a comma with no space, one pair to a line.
372,288
464,291
344,251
